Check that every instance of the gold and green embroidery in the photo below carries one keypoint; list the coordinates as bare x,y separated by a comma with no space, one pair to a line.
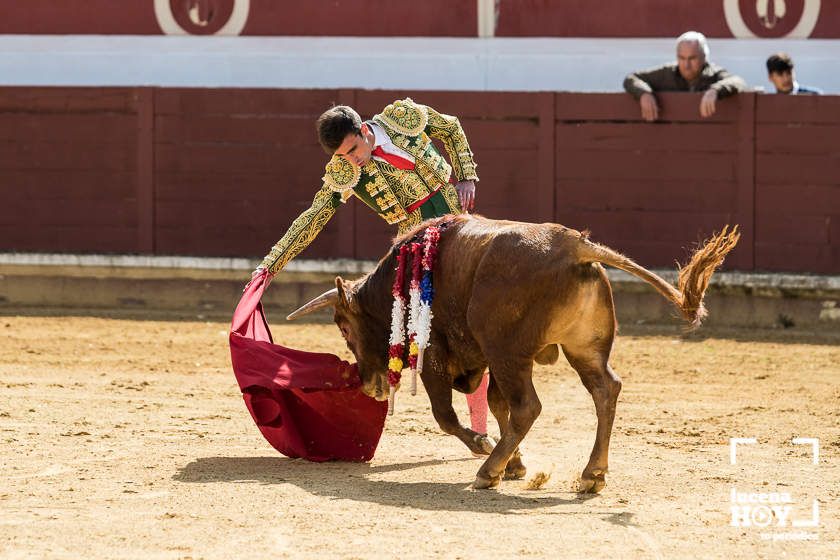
341,175
387,200
410,221
448,129
451,197
303,230
404,116
407,186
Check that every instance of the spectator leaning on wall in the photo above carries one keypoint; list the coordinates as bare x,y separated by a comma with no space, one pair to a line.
691,72
780,72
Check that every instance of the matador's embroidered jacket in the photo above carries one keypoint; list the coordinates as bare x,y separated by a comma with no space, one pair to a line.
390,192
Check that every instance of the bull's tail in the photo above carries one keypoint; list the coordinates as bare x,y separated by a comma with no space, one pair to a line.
692,279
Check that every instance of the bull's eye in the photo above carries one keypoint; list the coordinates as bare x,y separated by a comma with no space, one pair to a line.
345,332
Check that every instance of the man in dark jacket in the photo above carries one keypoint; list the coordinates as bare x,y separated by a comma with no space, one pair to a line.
691,72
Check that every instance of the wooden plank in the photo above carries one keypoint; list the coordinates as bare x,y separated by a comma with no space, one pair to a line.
201,237
105,128
797,199
65,99
784,109
511,194
264,130
745,213
798,229
231,185
46,184
207,213
814,259
68,212
798,169
676,137
614,226
646,165
305,163
509,166
497,134
622,107
71,238
798,138
68,156
544,202
145,98
244,101
686,196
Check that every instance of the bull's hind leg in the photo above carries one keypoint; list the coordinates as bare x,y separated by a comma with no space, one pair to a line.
517,389
440,395
499,407
604,386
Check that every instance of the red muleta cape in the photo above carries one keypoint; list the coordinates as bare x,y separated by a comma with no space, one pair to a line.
306,404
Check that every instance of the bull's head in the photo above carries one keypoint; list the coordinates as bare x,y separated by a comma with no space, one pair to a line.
366,333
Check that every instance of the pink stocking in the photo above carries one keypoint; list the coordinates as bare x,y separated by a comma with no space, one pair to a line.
477,403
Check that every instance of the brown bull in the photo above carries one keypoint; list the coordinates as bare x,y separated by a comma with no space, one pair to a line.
508,294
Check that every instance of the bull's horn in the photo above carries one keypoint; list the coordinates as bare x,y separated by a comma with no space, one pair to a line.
327,298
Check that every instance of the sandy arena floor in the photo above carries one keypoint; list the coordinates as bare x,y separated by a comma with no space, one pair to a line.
129,439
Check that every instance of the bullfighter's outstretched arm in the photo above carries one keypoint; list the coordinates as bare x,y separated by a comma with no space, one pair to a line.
303,230
448,129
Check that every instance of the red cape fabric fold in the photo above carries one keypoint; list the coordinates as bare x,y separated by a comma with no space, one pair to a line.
305,404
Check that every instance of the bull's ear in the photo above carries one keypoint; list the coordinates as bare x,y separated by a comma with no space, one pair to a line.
343,300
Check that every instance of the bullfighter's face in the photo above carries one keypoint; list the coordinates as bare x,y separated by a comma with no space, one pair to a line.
366,339
356,148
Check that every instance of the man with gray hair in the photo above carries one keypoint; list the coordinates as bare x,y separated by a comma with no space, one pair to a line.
691,72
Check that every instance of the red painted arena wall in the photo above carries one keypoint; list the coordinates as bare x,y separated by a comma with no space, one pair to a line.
224,172
430,18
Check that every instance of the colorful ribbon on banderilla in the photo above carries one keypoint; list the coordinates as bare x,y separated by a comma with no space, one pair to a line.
420,259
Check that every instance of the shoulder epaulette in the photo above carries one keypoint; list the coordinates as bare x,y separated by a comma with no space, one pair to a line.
341,175
404,116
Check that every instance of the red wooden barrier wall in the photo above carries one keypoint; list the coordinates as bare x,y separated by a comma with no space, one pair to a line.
224,172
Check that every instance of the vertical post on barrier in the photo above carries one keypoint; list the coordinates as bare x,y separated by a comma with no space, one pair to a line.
145,104
745,178
546,181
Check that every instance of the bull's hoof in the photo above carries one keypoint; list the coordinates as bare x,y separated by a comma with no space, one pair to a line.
515,469
483,445
484,483
592,483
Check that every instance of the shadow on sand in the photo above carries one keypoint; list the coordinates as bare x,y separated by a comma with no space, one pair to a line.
351,481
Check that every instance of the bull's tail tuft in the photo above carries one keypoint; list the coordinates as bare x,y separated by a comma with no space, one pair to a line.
693,278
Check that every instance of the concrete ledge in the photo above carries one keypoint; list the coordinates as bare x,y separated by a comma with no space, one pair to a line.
210,287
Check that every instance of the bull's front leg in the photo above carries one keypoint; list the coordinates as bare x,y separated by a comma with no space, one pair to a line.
512,382
439,388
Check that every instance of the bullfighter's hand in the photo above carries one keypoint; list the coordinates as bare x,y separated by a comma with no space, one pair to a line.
257,272
466,194
707,103
650,110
